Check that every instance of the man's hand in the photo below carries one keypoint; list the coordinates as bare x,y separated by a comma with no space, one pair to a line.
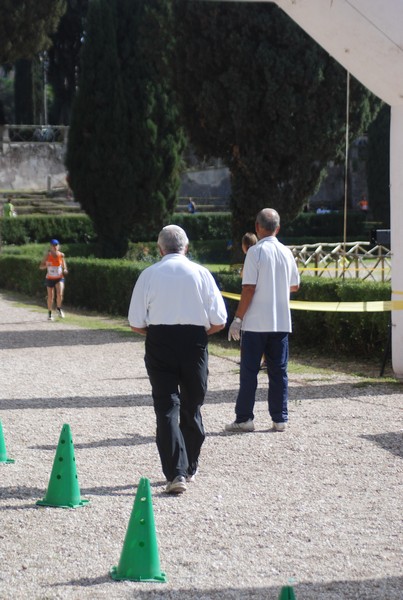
234,332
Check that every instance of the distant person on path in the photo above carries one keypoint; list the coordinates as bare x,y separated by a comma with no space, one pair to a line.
8,209
55,265
363,204
263,315
176,304
191,206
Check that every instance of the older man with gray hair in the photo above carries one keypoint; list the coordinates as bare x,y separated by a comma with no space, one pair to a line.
176,304
263,316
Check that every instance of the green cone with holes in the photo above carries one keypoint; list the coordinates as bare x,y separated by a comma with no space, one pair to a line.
139,560
3,452
63,489
287,593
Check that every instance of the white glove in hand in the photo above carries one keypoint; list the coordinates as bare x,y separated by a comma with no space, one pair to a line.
234,331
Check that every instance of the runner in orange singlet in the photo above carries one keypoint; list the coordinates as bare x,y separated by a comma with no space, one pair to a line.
56,268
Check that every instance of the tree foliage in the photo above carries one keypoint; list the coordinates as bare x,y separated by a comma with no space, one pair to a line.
25,26
64,60
125,144
262,95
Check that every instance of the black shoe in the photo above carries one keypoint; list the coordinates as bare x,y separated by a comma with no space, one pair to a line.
177,486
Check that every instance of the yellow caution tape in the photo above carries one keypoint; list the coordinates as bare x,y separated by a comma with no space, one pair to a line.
375,306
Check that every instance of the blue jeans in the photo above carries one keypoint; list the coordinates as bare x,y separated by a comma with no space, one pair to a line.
274,346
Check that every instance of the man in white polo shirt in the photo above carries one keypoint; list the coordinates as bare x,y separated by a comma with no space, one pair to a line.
263,315
177,304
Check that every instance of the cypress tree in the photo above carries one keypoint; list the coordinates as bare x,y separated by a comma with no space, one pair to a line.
259,93
125,145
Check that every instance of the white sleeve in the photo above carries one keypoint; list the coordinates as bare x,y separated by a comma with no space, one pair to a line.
138,305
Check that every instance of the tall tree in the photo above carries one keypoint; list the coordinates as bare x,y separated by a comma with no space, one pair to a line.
262,95
25,26
23,92
125,144
64,60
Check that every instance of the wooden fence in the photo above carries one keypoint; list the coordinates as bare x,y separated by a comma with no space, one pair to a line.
354,260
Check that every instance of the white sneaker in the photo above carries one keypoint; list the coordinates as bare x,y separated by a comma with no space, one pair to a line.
191,478
50,318
279,426
241,427
60,313
177,486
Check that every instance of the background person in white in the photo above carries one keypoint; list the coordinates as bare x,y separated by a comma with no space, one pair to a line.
263,314
177,304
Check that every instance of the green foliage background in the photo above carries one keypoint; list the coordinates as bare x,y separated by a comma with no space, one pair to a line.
260,93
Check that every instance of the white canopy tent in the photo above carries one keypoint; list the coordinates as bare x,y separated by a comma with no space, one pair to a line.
366,37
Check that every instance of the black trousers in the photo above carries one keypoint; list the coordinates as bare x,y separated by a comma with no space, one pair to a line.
177,364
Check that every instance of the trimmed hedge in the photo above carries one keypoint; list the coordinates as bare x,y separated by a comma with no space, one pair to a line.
79,228
94,284
106,286
360,333
41,228
306,228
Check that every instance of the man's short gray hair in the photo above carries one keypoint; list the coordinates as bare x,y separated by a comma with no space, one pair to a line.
268,219
172,239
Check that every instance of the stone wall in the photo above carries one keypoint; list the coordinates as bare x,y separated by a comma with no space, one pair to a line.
32,166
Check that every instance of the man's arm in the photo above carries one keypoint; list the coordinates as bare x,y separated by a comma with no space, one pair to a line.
64,264
214,329
294,288
140,330
234,332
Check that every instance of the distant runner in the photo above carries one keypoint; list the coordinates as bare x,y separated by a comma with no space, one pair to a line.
56,268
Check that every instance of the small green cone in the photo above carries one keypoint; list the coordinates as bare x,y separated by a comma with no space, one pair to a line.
3,451
63,489
139,560
287,593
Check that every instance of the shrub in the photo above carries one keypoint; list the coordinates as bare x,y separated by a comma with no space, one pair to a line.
78,228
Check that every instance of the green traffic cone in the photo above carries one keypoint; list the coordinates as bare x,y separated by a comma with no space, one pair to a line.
139,560
63,489
3,451
287,593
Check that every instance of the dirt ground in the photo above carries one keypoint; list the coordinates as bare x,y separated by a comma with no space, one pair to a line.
318,506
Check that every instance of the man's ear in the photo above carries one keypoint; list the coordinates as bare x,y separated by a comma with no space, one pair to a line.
186,249
160,249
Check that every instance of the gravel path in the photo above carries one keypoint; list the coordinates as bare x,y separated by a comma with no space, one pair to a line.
319,505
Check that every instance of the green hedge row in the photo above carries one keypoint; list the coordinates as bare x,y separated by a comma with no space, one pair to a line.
79,228
306,228
41,228
106,286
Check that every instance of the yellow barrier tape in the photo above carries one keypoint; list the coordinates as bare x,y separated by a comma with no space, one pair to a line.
375,306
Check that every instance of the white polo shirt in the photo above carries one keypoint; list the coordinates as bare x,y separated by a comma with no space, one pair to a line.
272,268
176,291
